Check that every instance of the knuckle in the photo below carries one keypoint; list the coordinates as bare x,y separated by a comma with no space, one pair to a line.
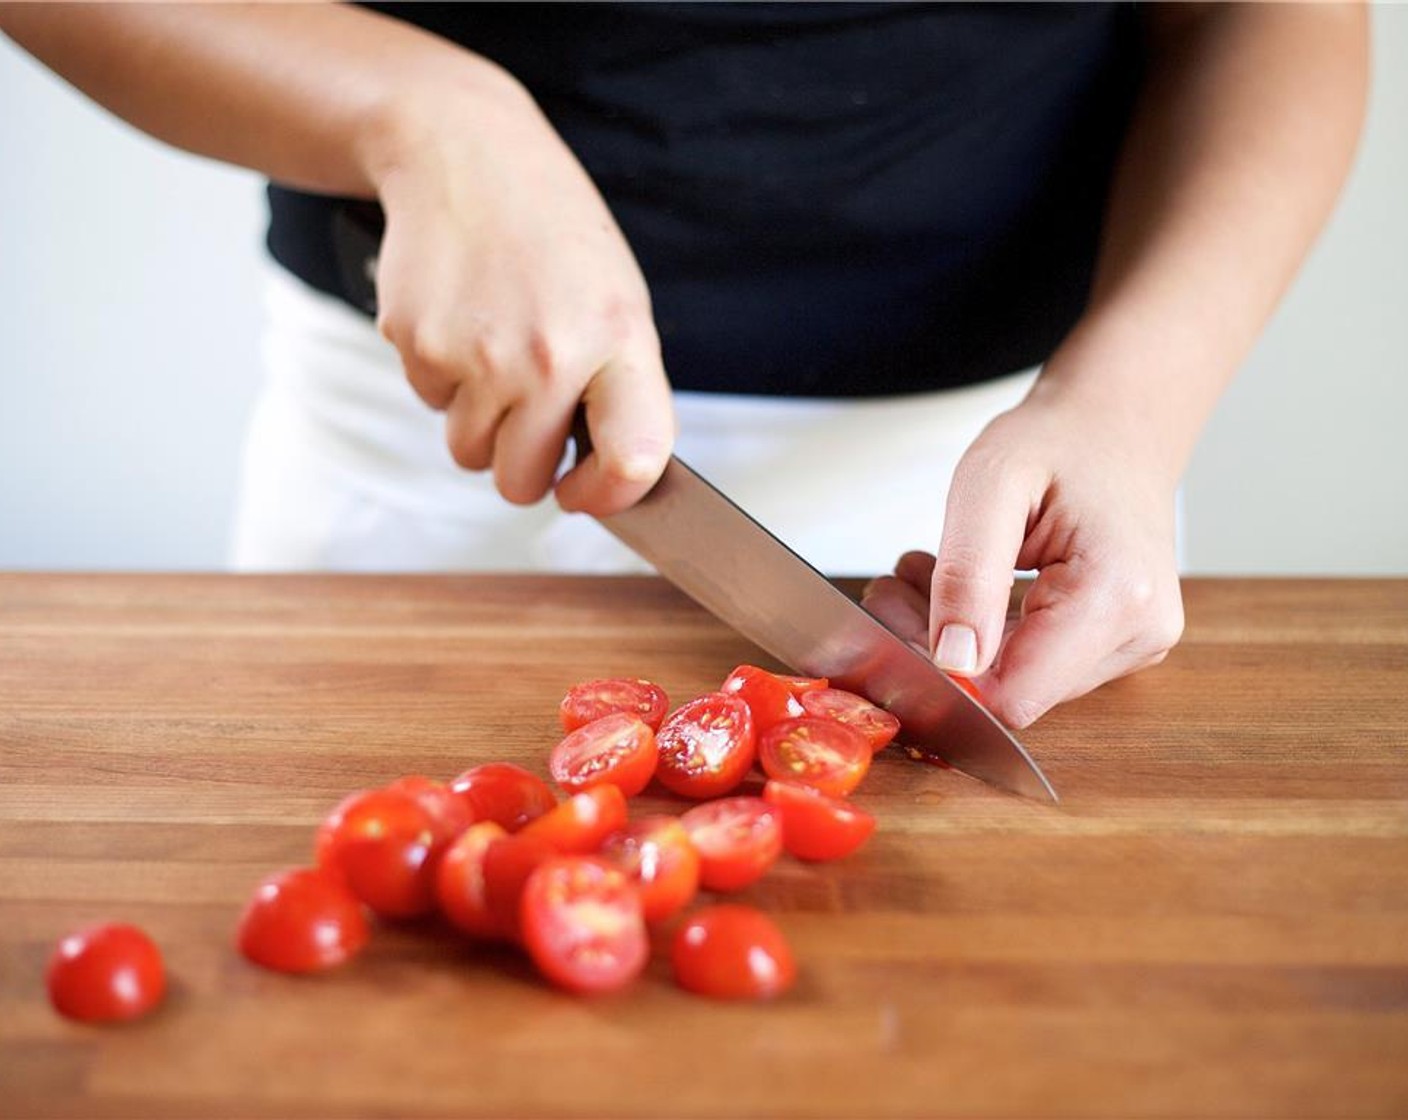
1154,612
430,346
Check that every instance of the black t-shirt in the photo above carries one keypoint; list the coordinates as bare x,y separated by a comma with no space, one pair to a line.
826,199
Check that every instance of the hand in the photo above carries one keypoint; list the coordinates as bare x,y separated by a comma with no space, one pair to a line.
1055,487
512,296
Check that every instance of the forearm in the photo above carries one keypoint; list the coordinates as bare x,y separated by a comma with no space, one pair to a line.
1237,151
318,96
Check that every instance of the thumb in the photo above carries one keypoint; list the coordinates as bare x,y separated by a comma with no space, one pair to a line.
985,524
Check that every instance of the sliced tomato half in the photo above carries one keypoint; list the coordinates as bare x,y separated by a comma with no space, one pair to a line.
302,920
732,952
582,924
480,881
768,697
618,748
814,826
877,725
706,746
505,793
656,852
383,844
591,700
737,838
829,756
579,824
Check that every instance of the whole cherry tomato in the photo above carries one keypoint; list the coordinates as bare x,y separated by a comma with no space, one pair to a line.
591,700
582,924
505,793
821,753
877,725
737,838
814,826
106,973
302,920
384,845
618,748
732,952
656,852
706,746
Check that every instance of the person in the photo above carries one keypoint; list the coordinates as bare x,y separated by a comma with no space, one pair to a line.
844,230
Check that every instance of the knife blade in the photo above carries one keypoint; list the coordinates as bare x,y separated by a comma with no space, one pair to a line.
712,550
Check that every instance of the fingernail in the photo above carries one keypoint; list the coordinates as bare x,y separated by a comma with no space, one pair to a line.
958,649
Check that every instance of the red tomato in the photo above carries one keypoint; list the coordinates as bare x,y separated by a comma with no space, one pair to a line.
384,846
706,746
829,756
737,838
481,878
877,725
582,822
967,685
105,974
656,852
303,920
591,700
505,793
582,925
799,685
732,952
768,697
817,827
618,748
449,815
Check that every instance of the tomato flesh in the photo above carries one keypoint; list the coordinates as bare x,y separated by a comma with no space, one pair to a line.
582,822
504,793
106,974
303,920
582,925
768,696
799,685
656,852
590,700
821,753
737,838
383,844
706,746
732,952
618,748
877,725
816,827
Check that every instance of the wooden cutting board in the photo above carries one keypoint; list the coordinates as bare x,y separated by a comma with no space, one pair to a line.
1214,922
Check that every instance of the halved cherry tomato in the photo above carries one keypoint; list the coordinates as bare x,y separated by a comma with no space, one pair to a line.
582,822
618,748
737,838
582,924
817,827
877,725
591,700
799,685
505,793
768,697
481,878
732,952
449,815
303,920
821,753
384,846
105,974
967,685
656,852
706,746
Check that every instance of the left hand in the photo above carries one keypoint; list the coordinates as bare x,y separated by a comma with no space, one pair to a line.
1055,486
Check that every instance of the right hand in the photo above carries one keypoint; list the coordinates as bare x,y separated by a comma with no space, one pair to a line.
511,295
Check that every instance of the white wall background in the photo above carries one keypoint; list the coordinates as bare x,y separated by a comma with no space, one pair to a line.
128,355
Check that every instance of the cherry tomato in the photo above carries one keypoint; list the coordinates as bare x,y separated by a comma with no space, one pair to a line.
449,815
877,725
967,685
582,822
817,827
106,973
480,880
799,685
618,748
737,838
303,920
732,952
829,756
582,924
656,852
591,700
706,746
768,697
505,793
383,844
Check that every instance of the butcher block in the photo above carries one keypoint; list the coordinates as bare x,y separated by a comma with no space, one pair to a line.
1213,922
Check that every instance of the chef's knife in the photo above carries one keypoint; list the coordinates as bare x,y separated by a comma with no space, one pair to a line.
713,551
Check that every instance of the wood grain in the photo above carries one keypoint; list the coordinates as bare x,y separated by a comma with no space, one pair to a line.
1214,922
